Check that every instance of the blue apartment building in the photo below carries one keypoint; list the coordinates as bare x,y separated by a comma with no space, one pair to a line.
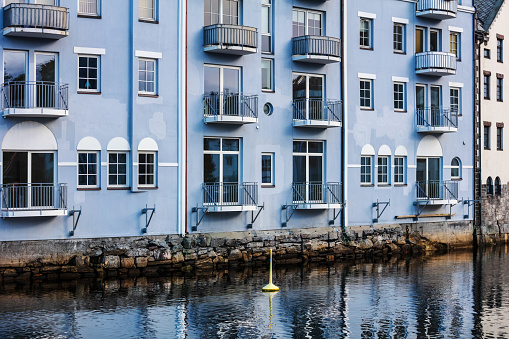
125,117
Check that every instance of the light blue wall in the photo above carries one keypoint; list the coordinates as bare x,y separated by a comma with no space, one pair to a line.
106,116
383,126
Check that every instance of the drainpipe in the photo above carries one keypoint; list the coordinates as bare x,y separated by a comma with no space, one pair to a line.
344,137
182,119
130,88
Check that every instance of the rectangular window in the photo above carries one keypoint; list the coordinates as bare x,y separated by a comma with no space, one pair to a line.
399,96
267,26
147,9
365,33
500,138
366,170
419,40
500,50
88,73
147,169
486,137
267,169
399,170
88,7
147,79
117,169
308,174
455,100
221,12
434,40
383,170
366,94
88,174
267,75
487,79
399,38
306,23
500,89
487,53
455,44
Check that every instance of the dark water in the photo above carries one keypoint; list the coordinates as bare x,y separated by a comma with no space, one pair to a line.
451,296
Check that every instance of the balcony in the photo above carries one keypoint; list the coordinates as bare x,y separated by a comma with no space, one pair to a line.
36,21
317,195
437,9
33,200
230,39
230,197
230,108
318,113
34,99
437,192
436,120
435,63
316,49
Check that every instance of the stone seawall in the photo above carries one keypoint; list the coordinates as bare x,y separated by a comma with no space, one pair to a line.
160,255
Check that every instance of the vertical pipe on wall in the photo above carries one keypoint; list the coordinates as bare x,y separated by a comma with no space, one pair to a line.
130,96
344,129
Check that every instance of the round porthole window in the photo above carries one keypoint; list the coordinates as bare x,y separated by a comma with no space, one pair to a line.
268,109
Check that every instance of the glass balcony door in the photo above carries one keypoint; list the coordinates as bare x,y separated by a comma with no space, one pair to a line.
308,171
221,12
436,103
45,76
222,90
428,176
14,79
308,94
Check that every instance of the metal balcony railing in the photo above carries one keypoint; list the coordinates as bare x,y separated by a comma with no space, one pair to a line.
316,193
436,117
34,94
435,61
230,35
230,194
230,104
430,190
317,109
36,16
33,197
448,6
316,45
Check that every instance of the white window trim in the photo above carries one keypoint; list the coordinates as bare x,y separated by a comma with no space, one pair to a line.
89,50
154,185
272,170
456,167
271,62
371,92
98,14
148,54
127,153
404,109
403,37
155,8
85,90
370,32
400,21
366,76
366,15
455,29
404,166
156,77
388,166
400,79
306,12
371,168
98,174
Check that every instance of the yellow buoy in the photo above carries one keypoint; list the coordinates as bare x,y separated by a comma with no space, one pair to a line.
270,287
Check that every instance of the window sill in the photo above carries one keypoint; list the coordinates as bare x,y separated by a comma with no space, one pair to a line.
366,48
268,186
148,95
400,185
500,62
88,189
501,149
367,109
500,100
119,188
149,21
268,53
456,179
142,188
399,52
487,149
268,91
367,185
89,16
384,185
86,92
400,111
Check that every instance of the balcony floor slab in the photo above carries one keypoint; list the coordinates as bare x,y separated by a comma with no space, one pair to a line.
436,202
318,206
437,130
35,112
27,32
235,208
436,14
436,71
316,59
229,119
229,49
33,213
316,123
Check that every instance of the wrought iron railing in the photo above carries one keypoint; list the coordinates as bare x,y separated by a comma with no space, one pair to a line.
230,104
437,190
33,197
435,60
316,45
436,117
316,193
230,194
437,5
34,94
36,16
230,35
317,109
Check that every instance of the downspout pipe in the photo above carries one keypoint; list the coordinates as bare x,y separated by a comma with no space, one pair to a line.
344,160
182,119
130,89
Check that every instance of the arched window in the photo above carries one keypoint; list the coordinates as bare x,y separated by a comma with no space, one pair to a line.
118,163
147,163
367,155
456,169
498,186
489,186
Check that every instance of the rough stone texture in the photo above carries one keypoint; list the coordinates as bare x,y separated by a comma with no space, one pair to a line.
111,261
495,219
141,262
127,262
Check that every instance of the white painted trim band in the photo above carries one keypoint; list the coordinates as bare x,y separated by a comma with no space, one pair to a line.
354,166
456,84
150,55
456,29
89,50
168,164
400,20
412,166
400,79
67,164
466,9
366,15
367,76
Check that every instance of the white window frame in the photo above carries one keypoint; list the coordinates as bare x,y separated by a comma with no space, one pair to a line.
271,183
370,91
403,92
457,44
154,10
117,174
98,89
399,170
369,32
87,174
458,98
306,26
221,13
267,5
456,167
146,72
385,177
368,170
402,35
146,174
271,74
221,154
87,4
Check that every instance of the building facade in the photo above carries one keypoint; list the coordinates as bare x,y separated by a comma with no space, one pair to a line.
90,122
408,118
